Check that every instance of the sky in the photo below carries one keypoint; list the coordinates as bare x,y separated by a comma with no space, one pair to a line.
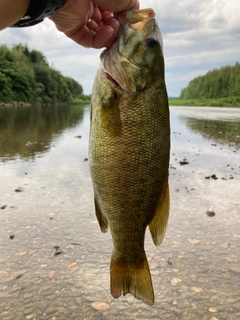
198,36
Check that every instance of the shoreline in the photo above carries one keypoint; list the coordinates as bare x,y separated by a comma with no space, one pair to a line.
37,104
229,102
172,102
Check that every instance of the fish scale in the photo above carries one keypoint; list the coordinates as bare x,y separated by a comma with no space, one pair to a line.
129,151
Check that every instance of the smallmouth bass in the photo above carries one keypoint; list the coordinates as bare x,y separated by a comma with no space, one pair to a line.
129,149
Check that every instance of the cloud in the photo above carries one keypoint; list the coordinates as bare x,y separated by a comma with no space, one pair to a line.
198,36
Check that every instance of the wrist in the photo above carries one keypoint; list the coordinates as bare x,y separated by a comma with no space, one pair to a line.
38,10
10,13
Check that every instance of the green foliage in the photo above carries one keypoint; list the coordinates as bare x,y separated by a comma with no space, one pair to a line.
218,83
215,102
25,76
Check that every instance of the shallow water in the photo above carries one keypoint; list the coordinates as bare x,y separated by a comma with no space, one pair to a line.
196,271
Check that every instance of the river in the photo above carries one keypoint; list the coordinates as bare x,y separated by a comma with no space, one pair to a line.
54,261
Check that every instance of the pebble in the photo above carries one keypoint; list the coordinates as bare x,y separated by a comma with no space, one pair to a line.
19,189
183,162
19,316
232,300
51,274
79,301
210,212
212,309
20,253
50,310
175,281
3,294
194,241
196,289
28,310
30,316
223,315
100,306
234,267
72,265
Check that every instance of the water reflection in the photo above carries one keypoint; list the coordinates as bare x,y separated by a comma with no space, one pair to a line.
25,132
225,132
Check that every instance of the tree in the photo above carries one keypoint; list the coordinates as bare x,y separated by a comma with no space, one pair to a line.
26,77
218,83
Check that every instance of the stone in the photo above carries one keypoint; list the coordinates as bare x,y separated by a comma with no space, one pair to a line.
223,315
212,309
210,212
234,267
19,316
61,309
100,306
19,189
31,316
28,310
79,301
175,281
51,274
196,289
194,241
72,265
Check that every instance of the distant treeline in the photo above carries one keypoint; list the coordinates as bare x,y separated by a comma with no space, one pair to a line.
25,76
218,83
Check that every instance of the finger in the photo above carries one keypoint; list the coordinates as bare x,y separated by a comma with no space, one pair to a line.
116,5
99,38
100,14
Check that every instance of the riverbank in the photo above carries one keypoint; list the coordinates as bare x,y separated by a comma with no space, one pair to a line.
229,102
39,104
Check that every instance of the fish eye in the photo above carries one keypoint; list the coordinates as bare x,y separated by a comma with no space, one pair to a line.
152,42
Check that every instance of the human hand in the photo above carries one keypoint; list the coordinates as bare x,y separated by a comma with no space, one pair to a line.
91,23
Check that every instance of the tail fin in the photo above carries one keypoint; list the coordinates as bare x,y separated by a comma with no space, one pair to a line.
132,278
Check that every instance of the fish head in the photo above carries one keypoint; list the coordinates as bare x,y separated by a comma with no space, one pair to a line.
135,60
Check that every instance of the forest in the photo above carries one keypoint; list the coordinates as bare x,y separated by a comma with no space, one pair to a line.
26,77
222,84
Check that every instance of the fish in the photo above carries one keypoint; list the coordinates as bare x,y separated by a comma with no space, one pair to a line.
129,145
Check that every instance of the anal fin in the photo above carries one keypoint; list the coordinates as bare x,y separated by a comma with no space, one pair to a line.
158,225
102,220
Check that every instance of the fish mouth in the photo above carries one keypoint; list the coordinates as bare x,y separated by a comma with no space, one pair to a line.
136,19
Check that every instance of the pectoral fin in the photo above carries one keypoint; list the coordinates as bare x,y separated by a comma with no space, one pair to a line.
102,220
158,225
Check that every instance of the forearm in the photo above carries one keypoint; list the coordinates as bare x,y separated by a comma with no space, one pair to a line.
11,12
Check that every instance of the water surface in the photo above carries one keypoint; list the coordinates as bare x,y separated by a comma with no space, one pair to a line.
43,154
